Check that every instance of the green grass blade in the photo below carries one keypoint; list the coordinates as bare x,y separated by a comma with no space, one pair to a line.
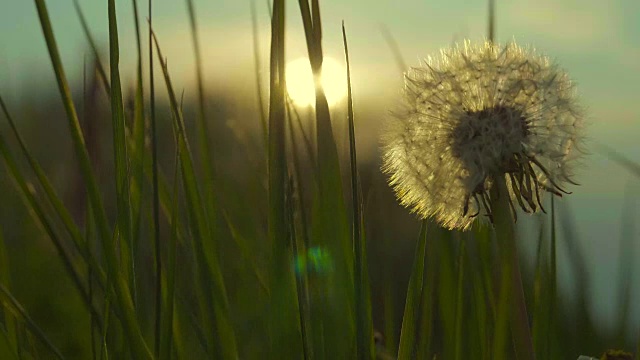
72,117
120,285
205,153
213,297
283,317
179,336
583,342
631,166
364,327
166,325
414,298
297,246
137,159
137,144
94,323
626,269
11,304
317,26
330,225
492,21
459,342
395,49
165,201
511,279
104,351
553,282
10,345
156,191
64,214
201,121
277,161
481,301
435,270
40,215
121,159
291,110
541,301
94,48
245,251
257,70
297,169
389,316
205,148
301,243
446,290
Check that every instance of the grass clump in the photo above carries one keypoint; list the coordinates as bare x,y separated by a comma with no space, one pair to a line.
283,257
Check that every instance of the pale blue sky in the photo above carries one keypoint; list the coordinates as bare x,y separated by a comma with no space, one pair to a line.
596,41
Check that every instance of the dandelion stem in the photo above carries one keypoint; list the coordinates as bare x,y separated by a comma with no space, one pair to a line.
518,319
492,20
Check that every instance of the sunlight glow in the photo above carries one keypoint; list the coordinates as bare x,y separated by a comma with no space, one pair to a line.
300,81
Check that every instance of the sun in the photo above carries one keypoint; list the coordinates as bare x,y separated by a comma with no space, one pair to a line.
300,81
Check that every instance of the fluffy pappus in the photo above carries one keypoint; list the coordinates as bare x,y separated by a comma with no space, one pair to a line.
475,114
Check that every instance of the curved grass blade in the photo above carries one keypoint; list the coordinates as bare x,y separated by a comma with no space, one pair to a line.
301,289
330,225
39,213
620,159
121,158
395,49
301,243
214,304
256,59
62,212
283,319
9,334
297,169
137,158
166,324
119,283
11,304
156,192
364,326
245,251
8,343
136,143
94,48
204,147
72,229
414,298
305,137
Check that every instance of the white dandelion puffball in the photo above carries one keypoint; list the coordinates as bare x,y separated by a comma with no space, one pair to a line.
474,115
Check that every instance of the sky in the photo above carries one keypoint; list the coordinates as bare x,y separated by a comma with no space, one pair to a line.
597,42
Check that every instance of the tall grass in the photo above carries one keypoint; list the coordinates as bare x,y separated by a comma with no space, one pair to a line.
290,276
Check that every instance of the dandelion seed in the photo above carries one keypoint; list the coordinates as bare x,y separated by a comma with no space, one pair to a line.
476,114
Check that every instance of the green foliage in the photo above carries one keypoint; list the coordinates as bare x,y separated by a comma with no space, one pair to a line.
268,259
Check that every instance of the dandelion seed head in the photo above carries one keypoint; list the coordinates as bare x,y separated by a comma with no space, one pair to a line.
477,113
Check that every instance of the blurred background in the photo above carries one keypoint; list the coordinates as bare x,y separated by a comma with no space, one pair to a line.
596,42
